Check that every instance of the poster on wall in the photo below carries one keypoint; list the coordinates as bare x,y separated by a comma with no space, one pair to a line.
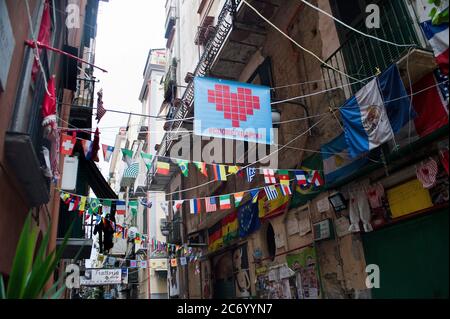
304,264
241,272
408,198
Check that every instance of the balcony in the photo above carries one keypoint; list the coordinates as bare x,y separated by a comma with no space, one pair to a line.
362,57
24,143
170,82
170,19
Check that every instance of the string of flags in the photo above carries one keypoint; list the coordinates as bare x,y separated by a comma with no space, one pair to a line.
220,172
303,178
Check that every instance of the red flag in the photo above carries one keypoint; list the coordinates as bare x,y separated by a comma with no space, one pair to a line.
67,144
43,36
96,145
49,105
429,106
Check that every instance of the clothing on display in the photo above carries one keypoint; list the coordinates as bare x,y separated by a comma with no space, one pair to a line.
375,195
427,172
359,211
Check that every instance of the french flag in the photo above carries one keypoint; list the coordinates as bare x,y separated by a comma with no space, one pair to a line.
436,34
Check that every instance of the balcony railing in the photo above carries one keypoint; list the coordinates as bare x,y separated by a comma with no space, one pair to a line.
84,95
212,48
362,57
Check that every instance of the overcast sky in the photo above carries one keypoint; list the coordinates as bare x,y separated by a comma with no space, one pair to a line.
127,30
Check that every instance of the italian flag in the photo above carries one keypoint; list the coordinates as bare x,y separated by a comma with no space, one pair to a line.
147,158
163,168
225,202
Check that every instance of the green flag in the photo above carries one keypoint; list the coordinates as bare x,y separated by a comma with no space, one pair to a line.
184,167
94,204
127,156
133,204
147,158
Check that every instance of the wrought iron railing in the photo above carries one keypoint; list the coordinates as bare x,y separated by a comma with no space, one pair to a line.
212,48
84,96
361,57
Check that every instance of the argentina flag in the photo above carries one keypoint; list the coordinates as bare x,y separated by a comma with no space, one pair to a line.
366,123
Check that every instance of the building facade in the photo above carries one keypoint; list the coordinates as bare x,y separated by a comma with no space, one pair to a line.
322,241
32,168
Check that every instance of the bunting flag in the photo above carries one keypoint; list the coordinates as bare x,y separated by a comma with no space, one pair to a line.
73,204
65,197
147,158
184,167
145,203
121,207
254,194
220,173
210,204
315,178
133,205
87,149
233,169
251,173
82,206
238,198
285,190
225,202
195,205
301,178
271,192
177,205
67,144
269,176
94,204
162,168
107,152
202,168
127,156
283,176
106,206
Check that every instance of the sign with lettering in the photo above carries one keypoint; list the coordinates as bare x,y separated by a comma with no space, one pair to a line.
98,277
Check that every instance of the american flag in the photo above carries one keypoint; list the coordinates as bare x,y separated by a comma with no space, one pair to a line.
100,109
211,204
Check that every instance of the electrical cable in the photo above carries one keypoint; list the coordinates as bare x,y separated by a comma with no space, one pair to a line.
353,29
297,44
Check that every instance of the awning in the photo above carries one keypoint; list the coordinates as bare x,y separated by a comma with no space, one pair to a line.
96,180
130,175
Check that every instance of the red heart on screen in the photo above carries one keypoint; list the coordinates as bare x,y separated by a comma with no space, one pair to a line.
235,106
